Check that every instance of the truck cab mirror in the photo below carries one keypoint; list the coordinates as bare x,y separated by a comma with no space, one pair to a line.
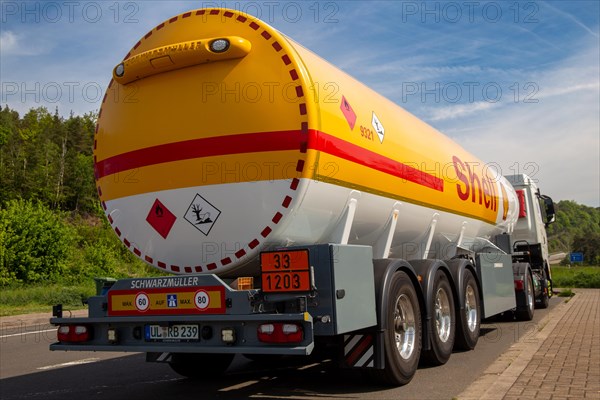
549,210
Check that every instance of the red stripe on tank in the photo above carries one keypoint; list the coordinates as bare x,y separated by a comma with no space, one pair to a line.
265,142
359,155
197,148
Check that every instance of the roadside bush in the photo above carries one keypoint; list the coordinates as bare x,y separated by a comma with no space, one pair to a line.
34,243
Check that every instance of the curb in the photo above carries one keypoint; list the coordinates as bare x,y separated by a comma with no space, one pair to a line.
499,377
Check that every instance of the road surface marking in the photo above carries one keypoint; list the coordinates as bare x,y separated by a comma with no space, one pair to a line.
238,386
308,366
70,363
27,333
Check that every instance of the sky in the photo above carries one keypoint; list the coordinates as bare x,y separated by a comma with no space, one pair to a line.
515,83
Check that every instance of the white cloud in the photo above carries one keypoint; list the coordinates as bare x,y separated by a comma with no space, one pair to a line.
557,140
31,43
459,110
8,42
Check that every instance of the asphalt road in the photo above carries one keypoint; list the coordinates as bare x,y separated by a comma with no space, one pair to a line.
28,370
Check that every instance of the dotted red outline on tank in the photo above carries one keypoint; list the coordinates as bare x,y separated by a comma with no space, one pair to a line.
299,167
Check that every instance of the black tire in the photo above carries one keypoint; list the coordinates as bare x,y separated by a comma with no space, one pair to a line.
526,299
442,325
467,330
200,366
544,298
402,338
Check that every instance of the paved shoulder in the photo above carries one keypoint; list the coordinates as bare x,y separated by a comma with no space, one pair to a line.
562,360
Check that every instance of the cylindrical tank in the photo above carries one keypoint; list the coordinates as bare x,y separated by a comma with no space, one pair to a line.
219,137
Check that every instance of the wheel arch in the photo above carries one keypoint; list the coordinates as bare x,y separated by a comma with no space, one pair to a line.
383,271
520,268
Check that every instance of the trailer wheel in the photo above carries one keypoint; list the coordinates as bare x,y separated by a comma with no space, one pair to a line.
402,338
526,308
442,325
467,333
200,366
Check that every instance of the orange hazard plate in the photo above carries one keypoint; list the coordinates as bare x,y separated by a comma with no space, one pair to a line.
285,271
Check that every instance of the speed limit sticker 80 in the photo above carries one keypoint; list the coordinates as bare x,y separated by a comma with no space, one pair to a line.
201,299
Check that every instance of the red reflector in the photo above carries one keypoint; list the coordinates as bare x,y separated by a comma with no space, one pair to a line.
519,285
280,332
522,208
73,333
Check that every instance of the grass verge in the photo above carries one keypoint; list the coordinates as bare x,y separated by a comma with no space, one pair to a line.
576,277
41,298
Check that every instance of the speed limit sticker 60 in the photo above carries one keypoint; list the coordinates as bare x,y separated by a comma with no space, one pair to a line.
142,302
201,299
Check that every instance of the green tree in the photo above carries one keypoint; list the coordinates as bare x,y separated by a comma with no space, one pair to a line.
572,220
589,245
35,243
48,158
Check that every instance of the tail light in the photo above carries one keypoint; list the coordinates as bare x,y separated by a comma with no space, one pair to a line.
73,333
279,332
519,285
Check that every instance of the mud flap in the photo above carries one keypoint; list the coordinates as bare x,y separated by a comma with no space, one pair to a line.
363,350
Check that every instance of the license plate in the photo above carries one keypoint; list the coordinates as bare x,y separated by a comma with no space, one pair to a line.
182,333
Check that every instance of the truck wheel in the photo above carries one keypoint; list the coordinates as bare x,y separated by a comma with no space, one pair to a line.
402,339
545,296
200,366
467,333
442,325
544,299
525,310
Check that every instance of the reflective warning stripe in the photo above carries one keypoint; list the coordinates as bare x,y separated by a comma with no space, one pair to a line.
359,350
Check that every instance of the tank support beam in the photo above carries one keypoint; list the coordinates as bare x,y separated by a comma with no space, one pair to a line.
341,233
434,221
381,249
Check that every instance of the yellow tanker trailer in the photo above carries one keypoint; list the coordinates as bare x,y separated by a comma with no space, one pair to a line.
297,204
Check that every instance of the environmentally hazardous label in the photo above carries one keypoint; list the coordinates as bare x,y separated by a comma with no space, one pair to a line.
378,126
202,215
190,300
161,219
348,112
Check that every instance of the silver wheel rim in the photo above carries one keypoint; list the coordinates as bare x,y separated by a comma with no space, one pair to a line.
471,308
529,294
404,327
443,317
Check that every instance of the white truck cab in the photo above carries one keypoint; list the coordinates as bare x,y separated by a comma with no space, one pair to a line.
536,212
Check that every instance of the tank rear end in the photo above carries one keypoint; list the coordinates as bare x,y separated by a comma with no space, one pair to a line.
201,141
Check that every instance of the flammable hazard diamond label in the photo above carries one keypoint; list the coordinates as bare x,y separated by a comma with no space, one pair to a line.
161,219
202,215
348,112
